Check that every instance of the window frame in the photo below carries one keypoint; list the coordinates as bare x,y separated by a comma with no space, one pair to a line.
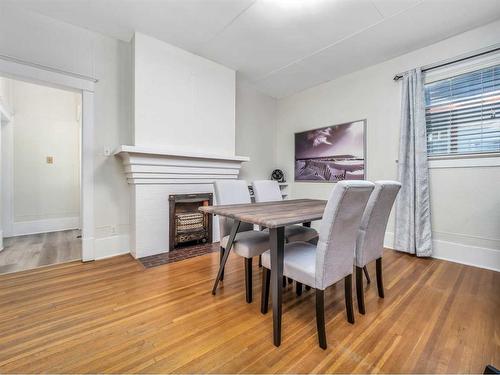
453,70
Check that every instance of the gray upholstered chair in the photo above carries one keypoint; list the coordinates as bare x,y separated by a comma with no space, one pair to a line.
370,241
331,260
269,191
248,243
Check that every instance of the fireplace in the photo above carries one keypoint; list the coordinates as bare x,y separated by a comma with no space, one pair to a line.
154,174
186,223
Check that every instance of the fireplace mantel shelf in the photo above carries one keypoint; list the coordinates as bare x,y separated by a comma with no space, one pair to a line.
156,166
153,151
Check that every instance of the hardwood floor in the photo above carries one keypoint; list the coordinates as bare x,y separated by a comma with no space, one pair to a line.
37,250
115,316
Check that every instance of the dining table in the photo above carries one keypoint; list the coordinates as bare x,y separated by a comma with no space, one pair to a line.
275,216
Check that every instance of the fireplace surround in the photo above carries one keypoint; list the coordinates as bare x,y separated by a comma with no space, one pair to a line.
153,175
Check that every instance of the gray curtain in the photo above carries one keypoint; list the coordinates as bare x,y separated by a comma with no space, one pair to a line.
413,215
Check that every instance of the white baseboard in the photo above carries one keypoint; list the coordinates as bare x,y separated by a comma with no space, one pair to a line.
459,253
43,226
111,246
147,253
87,249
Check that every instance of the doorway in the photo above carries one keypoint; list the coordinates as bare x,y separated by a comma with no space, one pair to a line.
41,169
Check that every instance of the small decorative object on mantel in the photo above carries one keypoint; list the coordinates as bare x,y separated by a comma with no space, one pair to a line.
278,175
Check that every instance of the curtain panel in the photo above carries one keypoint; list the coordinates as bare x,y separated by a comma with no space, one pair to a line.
413,214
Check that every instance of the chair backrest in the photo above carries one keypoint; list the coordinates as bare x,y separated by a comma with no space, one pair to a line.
339,227
231,192
266,191
370,241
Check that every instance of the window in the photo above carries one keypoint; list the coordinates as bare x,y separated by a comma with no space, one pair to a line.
463,113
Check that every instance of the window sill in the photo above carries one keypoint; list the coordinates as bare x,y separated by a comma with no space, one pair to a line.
464,161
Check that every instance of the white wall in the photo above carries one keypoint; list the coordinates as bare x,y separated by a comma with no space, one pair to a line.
6,93
47,123
42,40
465,201
183,102
1,182
465,208
255,131
39,39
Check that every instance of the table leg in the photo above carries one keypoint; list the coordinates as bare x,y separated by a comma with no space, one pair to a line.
277,242
232,235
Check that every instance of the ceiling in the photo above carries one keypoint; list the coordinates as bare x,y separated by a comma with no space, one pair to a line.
281,46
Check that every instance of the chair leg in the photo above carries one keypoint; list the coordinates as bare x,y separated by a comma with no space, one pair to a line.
284,282
248,279
298,288
348,298
365,270
308,287
260,261
221,257
266,282
320,317
380,285
290,280
359,290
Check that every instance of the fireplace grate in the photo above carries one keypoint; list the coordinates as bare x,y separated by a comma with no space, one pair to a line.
189,222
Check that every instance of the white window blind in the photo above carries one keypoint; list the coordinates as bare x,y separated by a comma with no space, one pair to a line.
463,113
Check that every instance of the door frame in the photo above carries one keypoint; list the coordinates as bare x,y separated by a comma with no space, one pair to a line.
5,118
14,68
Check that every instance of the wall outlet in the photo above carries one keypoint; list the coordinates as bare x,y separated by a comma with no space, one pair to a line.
107,151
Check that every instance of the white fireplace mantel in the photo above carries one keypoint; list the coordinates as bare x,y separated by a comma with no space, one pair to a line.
149,165
153,174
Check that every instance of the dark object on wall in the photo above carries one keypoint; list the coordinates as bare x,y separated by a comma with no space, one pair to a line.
331,154
278,175
491,370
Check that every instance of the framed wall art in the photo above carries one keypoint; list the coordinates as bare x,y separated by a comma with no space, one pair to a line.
331,154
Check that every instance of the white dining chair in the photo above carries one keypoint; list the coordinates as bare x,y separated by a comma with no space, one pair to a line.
248,242
331,260
370,240
269,191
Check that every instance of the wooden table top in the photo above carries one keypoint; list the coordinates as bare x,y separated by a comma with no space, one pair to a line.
272,214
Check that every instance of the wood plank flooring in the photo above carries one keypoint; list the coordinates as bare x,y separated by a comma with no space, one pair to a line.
114,316
37,250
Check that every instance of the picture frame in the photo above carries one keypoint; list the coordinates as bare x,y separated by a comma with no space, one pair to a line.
331,153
